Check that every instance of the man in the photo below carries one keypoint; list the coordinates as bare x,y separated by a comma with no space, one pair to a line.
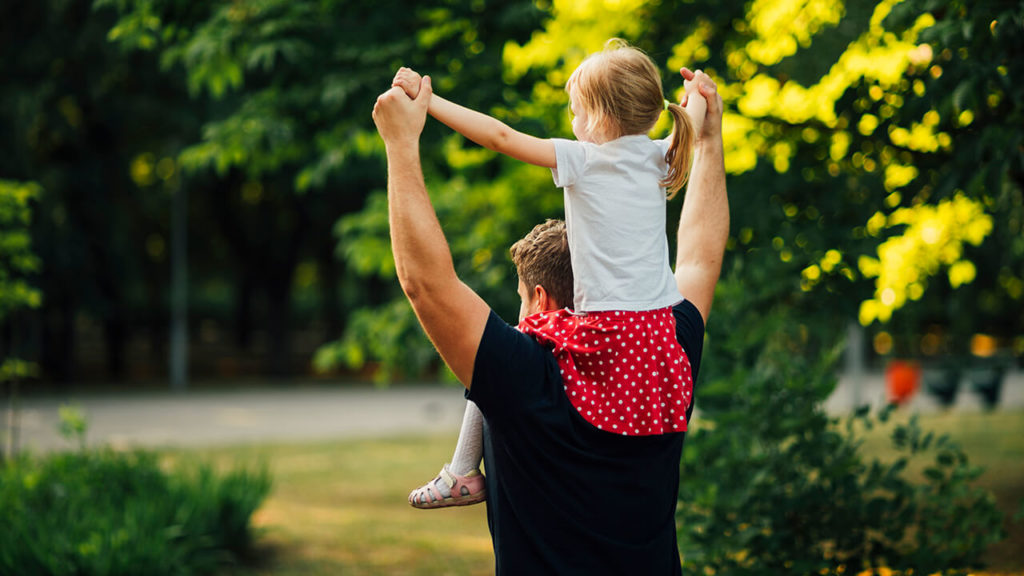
563,496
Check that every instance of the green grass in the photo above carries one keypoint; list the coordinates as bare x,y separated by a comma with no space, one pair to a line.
340,507
994,441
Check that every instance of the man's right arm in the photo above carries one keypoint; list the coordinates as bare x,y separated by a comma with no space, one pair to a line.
704,223
452,315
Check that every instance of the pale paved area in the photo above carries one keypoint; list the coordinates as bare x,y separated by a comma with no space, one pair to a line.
871,390
252,415
325,411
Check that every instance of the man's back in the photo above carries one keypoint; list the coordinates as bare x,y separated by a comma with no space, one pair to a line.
565,497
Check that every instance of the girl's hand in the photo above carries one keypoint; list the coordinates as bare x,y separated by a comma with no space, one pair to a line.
694,102
705,90
407,79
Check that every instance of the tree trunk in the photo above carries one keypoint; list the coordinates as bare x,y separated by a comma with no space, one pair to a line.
115,334
156,319
329,304
58,346
279,283
244,291
279,325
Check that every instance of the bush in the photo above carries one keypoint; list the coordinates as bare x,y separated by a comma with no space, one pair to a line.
103,512
773,485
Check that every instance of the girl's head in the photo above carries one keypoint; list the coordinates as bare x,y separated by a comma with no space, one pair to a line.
617,92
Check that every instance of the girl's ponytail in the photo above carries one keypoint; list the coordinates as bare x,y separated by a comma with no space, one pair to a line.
680,150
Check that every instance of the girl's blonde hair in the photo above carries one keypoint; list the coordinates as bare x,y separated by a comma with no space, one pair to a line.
619,89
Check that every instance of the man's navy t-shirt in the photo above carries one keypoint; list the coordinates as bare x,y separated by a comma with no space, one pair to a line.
563,496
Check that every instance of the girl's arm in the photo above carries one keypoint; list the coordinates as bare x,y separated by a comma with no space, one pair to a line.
481,128
695,106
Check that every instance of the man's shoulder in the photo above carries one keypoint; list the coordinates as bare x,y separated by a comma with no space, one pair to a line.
688,311
690,332
510,366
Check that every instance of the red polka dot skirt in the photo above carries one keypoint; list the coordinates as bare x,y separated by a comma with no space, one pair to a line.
624,372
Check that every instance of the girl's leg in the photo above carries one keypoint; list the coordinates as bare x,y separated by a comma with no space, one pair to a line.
462,476
469,450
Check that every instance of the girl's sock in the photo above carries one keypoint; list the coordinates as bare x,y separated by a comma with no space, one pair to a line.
469,450
467,457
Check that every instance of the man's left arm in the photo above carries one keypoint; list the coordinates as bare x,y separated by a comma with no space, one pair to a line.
704,221
452,315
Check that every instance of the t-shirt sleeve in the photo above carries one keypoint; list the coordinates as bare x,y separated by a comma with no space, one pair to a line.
690,333
663,146
510,372
570,157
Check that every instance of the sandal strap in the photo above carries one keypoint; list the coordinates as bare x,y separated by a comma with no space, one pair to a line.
448,478
471,483
430,491
468,489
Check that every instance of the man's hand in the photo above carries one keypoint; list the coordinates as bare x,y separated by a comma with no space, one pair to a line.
409,80
712,126
400,119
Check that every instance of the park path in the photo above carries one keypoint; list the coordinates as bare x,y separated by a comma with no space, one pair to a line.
252,414
326,411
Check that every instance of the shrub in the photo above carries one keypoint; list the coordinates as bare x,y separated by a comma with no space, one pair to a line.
102,512
773,485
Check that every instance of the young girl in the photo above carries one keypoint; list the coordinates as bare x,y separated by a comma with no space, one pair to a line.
623,369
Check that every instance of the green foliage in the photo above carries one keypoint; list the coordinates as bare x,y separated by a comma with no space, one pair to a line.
17,264
107,513
260,108
81,116
16,258
817,161
73,425
286,88
482,214
389,335
976,85
15,369
773,485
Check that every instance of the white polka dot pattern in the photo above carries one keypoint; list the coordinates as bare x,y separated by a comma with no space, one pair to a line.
624,372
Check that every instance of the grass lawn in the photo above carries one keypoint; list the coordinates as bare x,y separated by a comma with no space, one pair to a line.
340,507
994,441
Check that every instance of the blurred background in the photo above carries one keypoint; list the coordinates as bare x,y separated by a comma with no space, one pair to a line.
201,185
192,193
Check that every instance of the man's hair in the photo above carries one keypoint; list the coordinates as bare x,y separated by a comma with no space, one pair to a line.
542,257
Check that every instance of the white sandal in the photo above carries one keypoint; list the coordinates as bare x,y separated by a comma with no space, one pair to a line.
465,490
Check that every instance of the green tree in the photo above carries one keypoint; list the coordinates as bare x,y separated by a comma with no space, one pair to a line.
18,264
93,126
290,139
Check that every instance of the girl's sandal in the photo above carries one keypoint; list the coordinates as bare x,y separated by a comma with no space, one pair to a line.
465,490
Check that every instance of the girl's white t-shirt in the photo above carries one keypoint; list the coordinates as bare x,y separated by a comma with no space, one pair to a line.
615,219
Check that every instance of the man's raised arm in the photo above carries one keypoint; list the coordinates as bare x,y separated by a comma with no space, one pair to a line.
704,223
452,315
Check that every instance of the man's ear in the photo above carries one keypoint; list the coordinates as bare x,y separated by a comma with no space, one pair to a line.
541,299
